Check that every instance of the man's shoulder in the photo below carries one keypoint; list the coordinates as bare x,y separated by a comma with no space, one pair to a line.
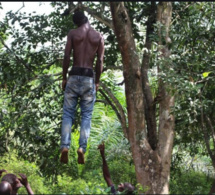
71,31
96,32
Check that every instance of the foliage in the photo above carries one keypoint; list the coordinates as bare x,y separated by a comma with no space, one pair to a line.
31,97
193,73
190,182
15,165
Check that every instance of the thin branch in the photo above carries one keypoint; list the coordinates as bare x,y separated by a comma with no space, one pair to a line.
212,128
206,136
178,16
18,59
99,17
111,104
23,5
119,107
150,107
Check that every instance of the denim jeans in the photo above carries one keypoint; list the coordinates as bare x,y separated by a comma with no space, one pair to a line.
83,88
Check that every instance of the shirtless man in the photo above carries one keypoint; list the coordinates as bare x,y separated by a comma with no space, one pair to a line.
10,183
87,44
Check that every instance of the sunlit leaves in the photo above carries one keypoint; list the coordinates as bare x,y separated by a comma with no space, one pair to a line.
205,74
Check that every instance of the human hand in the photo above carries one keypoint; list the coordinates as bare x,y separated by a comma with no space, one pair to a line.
101,147
97,87
1,171
23,179
64,84
25,183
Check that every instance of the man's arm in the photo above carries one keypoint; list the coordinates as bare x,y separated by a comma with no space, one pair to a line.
66,59
25,183
105,170
99,62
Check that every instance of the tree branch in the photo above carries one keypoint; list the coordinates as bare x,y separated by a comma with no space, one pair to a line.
149,102
99,16
118,108
205,133
23,5
18,59
213,135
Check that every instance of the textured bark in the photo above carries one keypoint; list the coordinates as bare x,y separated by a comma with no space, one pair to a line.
147,162
152,166
150,105
166,118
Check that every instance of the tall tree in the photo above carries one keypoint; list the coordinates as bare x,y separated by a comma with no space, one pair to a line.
152,161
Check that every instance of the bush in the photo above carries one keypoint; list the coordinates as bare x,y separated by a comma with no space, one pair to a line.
121,171
190,182
15,165
63,185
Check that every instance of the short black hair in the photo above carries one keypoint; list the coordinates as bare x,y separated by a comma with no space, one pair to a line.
79,18
10,178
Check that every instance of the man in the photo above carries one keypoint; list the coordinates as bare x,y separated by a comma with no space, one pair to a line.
86,44
5,188
16,182
127,187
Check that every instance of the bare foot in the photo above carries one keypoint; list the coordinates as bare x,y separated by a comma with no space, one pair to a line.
80,156
64,155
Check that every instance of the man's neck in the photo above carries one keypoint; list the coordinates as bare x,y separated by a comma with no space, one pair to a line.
85,25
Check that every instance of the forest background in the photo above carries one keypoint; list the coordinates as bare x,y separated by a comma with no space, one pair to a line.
154,109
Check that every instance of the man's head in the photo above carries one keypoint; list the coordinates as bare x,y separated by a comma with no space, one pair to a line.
79,18
12,180
5,188
127,187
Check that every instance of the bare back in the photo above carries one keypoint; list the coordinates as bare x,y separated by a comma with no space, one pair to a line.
85,42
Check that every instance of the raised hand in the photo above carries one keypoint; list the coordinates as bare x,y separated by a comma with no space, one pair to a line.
23,179
101,147
1,171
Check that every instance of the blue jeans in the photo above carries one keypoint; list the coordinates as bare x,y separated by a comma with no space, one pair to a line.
82,87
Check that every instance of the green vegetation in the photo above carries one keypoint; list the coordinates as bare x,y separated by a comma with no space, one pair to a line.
31,99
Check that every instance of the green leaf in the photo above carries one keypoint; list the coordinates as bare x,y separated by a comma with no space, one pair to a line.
205,74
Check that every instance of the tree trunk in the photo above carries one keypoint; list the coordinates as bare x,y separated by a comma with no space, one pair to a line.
152,171
166,118
212,190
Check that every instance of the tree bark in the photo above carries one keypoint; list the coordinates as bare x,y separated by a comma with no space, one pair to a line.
116,106
166,118
150,105
152,166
